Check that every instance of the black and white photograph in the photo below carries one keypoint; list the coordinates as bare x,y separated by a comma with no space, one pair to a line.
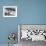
9,11
29,34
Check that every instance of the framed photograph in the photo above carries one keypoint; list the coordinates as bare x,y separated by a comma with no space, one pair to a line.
31,32
9,11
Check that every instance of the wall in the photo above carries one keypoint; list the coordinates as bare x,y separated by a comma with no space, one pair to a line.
29,12
7,25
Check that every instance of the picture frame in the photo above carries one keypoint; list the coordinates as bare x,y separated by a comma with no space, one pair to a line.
9,11
34,30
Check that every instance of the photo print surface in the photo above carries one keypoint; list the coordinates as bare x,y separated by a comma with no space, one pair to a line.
9,11
33,32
